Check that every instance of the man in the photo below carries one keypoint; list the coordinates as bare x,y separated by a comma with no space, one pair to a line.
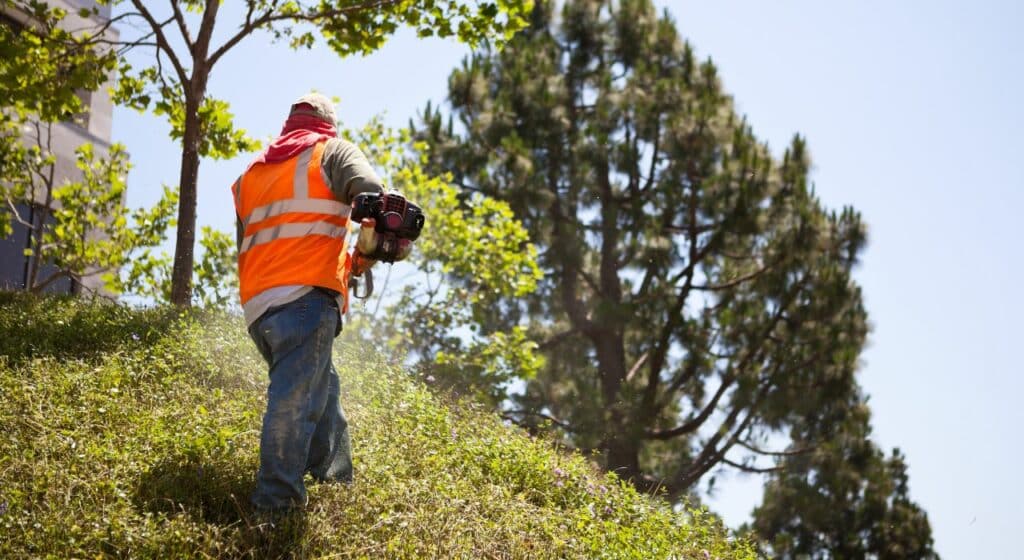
292,205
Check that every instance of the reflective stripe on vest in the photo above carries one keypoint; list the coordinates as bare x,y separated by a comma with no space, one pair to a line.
284,231
308,205
301,182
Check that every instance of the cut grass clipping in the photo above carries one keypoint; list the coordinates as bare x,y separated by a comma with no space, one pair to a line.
134,433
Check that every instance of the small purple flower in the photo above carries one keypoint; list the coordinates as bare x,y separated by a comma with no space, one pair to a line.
559,483
455,434
559,472
135,337
3,508
707,555
607,510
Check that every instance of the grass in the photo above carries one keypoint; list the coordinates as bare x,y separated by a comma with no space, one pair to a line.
134,433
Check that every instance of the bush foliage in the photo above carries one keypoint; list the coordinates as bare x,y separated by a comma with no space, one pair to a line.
134,433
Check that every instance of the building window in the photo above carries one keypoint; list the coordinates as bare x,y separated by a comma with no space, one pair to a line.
15,268
12,253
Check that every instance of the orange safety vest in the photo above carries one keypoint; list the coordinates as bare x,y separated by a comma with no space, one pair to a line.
295,231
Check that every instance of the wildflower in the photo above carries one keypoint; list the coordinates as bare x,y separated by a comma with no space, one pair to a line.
3,508
559,472
135,337
430,379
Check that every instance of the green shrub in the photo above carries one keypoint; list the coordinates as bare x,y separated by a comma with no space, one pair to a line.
146,446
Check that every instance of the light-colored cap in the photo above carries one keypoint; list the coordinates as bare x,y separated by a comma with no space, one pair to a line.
315,105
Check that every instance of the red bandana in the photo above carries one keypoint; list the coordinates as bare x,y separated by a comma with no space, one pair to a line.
299,133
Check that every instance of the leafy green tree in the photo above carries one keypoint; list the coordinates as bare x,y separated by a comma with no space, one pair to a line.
697,303
176,86
472,254
214,279
216,274
80,226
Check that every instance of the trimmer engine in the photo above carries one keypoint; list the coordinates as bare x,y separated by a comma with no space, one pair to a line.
389,224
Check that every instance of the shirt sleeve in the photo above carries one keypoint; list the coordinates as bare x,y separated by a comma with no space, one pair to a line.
347,171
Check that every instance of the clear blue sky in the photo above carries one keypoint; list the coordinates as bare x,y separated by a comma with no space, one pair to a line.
913,114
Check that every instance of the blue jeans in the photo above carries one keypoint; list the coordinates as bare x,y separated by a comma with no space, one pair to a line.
304,427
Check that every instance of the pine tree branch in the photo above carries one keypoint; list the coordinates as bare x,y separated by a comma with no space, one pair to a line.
711,454
789,453
734,282
692,228
695,422
754,470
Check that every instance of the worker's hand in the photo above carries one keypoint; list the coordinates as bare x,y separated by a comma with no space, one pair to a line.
361,263
385,245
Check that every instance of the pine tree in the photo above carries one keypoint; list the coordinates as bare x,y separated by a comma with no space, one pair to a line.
697,305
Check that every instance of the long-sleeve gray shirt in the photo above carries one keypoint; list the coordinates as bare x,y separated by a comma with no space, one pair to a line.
347,172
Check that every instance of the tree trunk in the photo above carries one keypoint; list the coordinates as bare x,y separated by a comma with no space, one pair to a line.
195,92
622,448
184,248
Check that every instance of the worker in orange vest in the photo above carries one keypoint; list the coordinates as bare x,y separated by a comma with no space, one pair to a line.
292,205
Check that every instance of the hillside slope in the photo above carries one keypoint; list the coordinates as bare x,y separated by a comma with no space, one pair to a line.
131,433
